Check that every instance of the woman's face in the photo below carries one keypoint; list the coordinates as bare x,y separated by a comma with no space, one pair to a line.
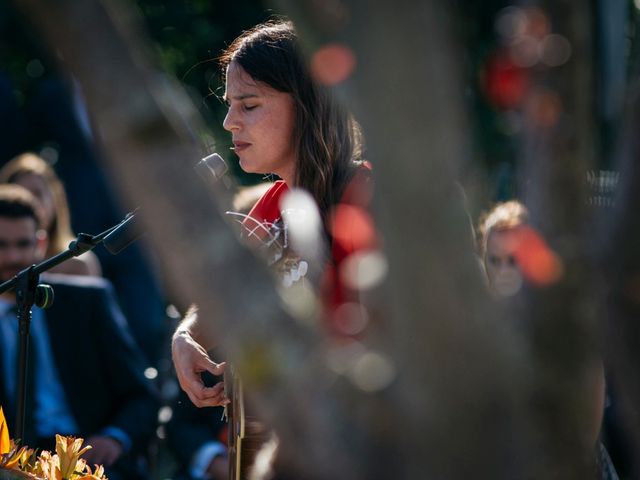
502,270
39,189
261,121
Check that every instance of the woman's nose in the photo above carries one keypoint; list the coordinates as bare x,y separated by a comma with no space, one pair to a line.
230,120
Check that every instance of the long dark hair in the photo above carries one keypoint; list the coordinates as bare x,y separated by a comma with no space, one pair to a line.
326,137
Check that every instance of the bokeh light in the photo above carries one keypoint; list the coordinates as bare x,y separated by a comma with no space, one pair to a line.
544,108
342,356
301,302
350,318
304,225
165,414
352,228
526,34
539,264
511,22
525,51
373,372
364,270
332,64
555,50
504,82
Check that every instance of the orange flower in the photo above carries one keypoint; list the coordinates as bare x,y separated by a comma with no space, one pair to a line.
65,464
97,475
69,450
5,444
16,458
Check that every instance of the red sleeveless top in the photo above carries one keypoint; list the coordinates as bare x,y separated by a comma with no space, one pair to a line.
352,232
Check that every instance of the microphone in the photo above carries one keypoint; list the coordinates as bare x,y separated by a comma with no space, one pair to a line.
123,234
211,169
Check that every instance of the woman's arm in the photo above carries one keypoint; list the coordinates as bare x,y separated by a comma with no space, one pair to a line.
190,359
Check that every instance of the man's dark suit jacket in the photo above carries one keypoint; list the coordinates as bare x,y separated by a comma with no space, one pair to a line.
100,367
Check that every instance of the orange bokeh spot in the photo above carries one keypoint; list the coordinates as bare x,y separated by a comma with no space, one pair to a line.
352,229
539,264
332,64
544,109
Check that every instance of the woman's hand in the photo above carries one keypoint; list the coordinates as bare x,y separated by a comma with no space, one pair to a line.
190,360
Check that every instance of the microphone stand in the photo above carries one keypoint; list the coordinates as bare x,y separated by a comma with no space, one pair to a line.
29,291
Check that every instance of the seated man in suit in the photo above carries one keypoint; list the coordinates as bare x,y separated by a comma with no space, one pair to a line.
86,375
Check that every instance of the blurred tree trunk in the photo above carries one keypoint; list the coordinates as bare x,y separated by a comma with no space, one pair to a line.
409,94
558,148
455,405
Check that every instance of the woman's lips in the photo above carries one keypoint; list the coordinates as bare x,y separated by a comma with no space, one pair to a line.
240,146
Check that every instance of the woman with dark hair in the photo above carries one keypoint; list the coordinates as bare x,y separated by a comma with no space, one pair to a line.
315,144
284,122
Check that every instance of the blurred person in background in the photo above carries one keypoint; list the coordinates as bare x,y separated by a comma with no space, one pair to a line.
37,176
61,130
504,234
85,374
498,230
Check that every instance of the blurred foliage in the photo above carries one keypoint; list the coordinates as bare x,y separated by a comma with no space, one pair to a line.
186,36
20,52
495,128
493,145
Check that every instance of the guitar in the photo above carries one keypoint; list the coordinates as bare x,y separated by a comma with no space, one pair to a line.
247,434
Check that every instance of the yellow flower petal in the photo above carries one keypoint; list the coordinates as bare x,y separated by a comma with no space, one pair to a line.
5,443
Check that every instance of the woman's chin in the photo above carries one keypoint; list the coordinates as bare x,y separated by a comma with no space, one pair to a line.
245,166
249,167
